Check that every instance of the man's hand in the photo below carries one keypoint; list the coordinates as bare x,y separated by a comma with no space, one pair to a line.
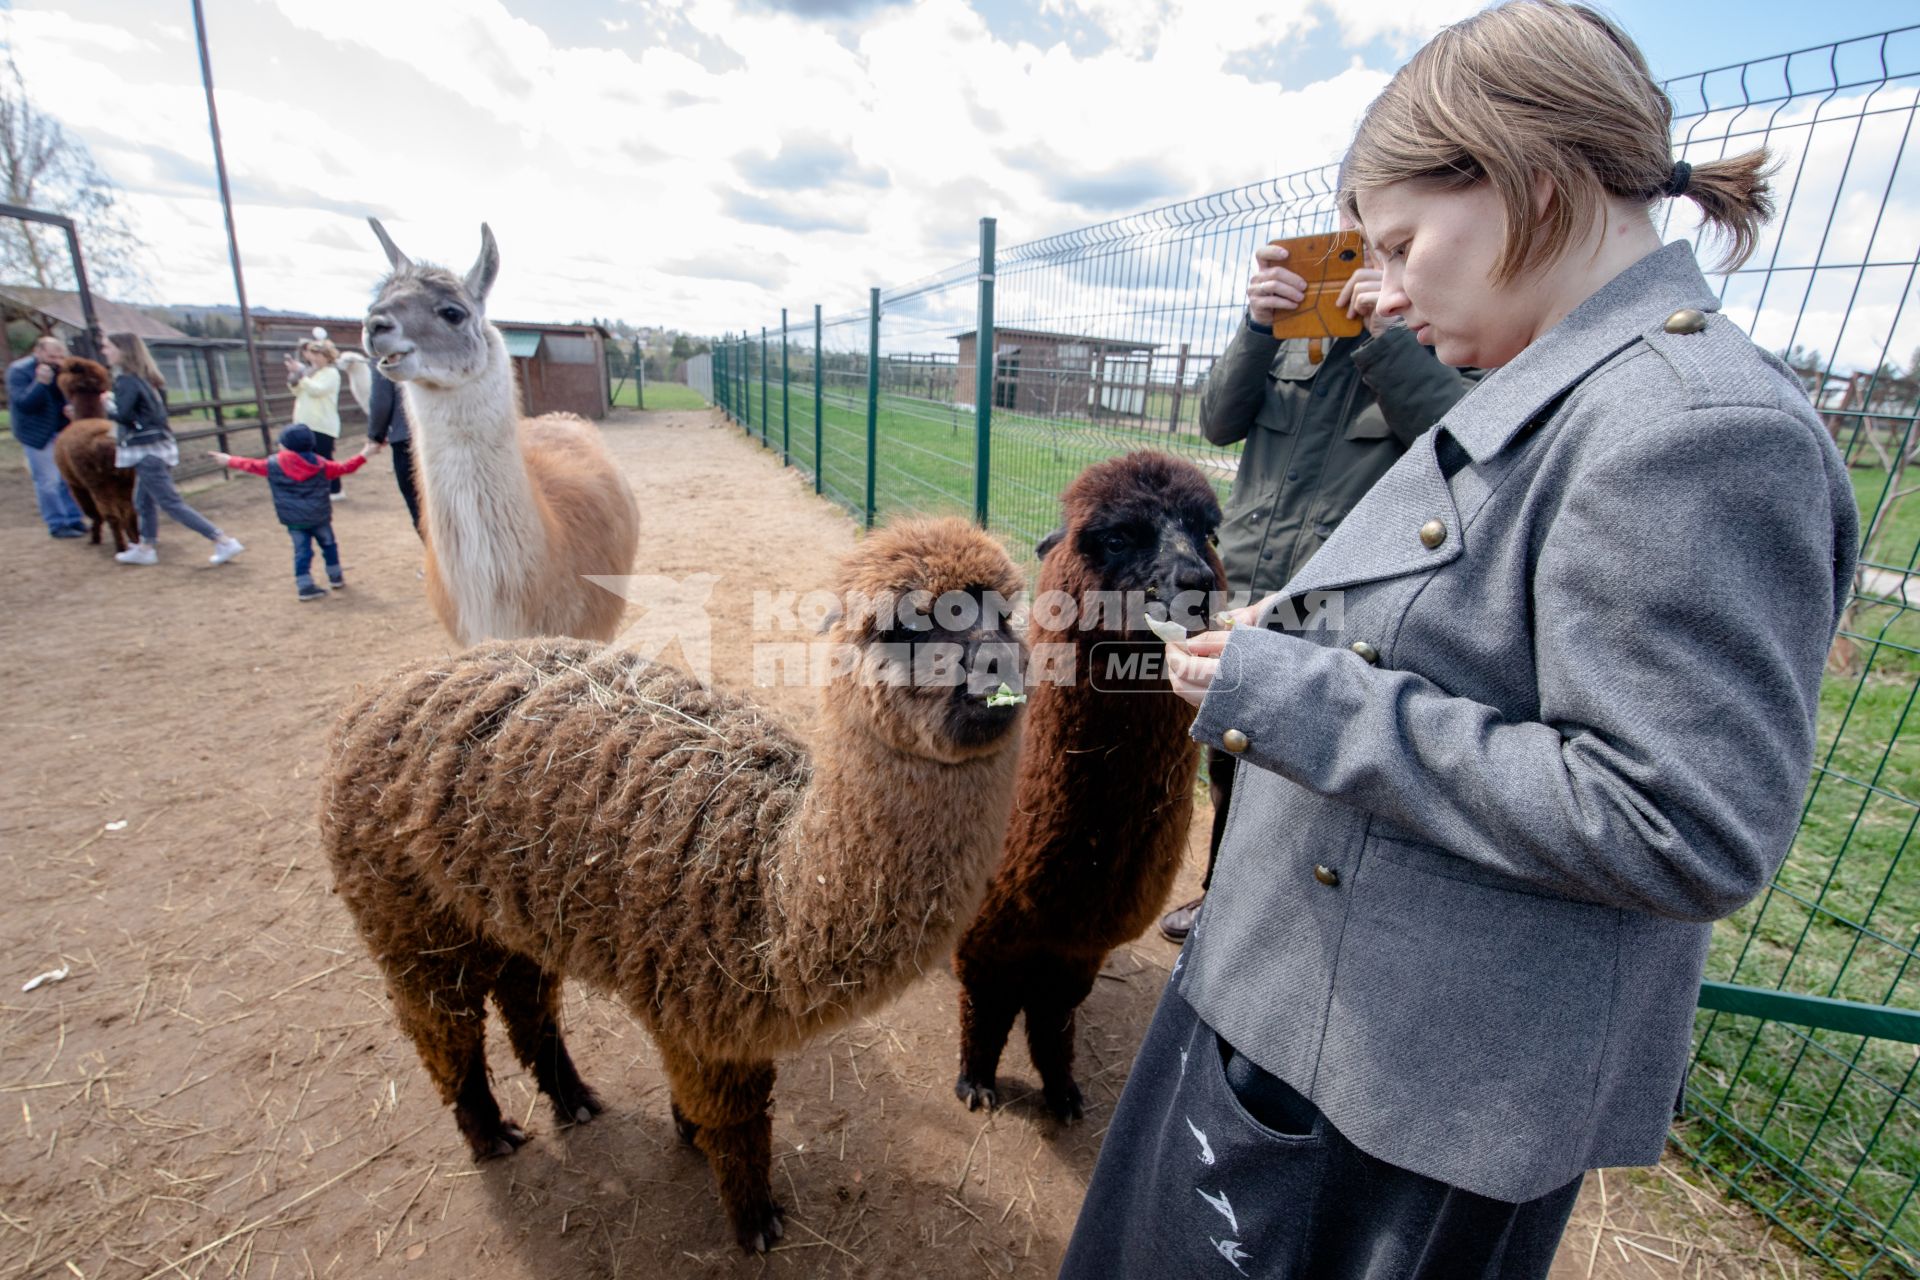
43,373
1272,288
1361,298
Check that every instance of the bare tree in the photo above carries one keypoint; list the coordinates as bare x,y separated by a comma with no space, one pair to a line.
45,167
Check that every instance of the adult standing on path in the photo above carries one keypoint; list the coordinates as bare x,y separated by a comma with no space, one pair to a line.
144,442
1563,723
37,412
1316,434
387,424
313,375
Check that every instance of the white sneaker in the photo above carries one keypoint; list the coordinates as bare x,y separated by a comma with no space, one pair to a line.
225,550
138,553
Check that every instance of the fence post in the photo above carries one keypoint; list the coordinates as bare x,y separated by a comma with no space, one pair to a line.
763,384
746,380
983,363
819,462
873,392
1179,385
214,394
786,384
639,376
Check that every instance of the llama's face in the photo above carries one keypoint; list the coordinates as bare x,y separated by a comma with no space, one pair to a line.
428,325
928,641
1144,525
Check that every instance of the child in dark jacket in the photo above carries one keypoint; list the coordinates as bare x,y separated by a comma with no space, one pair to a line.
299,478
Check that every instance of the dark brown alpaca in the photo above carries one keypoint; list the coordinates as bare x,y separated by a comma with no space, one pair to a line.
84,453
534,810
1105,788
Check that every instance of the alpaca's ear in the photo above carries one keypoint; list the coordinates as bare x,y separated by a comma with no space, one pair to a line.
1049,542
395,259
479,280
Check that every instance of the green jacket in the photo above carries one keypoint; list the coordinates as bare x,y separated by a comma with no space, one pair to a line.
1317,437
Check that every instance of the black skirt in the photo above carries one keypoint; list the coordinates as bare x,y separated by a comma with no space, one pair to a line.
1213,1167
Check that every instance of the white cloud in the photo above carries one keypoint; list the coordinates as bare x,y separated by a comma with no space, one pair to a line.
656,181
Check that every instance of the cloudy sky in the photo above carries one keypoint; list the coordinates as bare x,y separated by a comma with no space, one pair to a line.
693,162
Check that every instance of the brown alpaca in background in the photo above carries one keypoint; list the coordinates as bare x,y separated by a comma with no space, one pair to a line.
84,453
1106,781
525,812
517,513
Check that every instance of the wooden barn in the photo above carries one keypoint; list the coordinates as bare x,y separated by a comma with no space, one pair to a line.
1054,374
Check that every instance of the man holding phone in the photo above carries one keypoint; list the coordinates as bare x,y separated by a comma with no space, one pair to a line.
1322,419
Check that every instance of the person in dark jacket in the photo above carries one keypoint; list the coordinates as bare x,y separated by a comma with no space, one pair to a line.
144,442
299,478
387,424
1316,436
38,411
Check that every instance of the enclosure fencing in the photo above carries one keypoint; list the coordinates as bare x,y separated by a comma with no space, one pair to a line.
1802,1097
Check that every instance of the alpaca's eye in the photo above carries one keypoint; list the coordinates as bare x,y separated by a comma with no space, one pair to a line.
1117,542
452,315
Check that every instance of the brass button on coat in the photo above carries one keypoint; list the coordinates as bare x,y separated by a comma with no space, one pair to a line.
1432,534
1326,875
1686,320
1367,652
1234,741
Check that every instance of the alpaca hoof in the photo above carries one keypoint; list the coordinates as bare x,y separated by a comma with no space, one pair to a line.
976,1095
502,1141
761,1231
1065,1103
581,1105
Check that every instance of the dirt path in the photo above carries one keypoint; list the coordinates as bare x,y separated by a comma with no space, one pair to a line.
217,1089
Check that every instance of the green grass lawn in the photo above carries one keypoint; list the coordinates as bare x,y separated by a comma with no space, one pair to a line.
660,395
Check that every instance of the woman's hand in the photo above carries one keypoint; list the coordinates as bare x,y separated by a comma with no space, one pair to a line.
1272,288
1192,665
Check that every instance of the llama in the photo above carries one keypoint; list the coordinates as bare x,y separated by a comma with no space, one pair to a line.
517,512
84,452
1105,788
529,811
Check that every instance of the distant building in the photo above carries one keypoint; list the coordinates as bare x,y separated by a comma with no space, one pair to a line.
57,311
1051,374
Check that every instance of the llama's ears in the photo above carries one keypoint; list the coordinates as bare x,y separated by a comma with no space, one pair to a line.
1049,542
395,259
479,280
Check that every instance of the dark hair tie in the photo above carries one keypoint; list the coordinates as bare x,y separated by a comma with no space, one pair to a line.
1679,180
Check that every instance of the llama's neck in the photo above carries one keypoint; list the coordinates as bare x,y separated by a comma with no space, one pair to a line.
886,862
487,535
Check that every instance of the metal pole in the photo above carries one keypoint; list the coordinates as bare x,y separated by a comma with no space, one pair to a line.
983,362
233,240
763,384
746,378
639,376
873,392
819,462
786,453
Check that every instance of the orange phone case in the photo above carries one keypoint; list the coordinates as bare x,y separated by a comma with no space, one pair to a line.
1325,262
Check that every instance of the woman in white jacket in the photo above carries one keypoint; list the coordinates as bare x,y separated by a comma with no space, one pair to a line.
314,376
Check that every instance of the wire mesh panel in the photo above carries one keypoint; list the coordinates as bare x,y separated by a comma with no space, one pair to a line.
843,410
1106,335
925,411
1820,1129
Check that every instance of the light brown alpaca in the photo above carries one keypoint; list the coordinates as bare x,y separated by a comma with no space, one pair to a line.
516,512
84,452
525,812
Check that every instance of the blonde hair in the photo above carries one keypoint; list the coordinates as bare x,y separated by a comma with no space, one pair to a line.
137,360
1545,89
324,346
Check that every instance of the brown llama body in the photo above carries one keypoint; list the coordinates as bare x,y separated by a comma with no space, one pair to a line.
1106,777
84,453
531,811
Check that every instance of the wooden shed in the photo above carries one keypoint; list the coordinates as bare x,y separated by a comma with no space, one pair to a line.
1061,373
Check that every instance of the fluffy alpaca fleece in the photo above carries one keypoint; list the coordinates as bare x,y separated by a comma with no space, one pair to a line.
516,512
84,453
1106,778
526,812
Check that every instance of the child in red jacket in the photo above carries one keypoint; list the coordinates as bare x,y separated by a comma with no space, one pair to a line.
300,478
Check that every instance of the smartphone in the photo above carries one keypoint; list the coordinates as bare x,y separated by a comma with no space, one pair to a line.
1326,263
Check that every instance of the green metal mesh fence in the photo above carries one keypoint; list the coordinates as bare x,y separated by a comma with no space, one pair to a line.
1804,1093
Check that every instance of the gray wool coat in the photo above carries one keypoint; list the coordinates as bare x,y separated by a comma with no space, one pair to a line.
1555,717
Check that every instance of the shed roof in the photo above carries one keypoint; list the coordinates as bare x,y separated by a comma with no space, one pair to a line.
62,306
522,344
1110,344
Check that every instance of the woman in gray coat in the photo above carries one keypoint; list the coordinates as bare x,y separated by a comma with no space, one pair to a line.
1540,711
